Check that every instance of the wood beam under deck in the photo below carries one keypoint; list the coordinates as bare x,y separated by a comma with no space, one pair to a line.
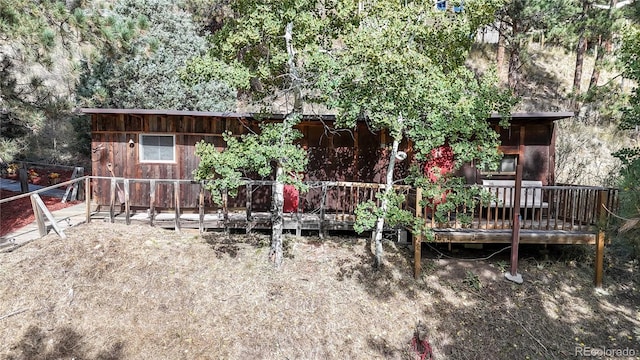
339,222
504,237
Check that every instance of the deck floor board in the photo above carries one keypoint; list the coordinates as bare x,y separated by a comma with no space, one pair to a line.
479,231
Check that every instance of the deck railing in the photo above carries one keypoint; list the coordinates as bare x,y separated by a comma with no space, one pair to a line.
557,208
567,208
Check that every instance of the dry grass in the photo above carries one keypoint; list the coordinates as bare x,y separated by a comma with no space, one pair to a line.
115,292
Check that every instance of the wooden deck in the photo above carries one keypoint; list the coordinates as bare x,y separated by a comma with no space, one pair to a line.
532,232
563,214
571,214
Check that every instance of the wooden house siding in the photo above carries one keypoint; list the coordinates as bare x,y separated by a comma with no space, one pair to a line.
358,155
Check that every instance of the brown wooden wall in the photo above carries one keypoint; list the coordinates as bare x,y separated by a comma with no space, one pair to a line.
355,155
533,142
334,155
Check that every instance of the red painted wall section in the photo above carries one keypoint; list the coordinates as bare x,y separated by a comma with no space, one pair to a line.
440,163
291,199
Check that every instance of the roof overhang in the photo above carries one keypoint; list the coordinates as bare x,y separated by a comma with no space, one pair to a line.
234,115
533,116
529,116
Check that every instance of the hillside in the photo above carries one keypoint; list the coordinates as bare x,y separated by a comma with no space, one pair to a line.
105,294
584,143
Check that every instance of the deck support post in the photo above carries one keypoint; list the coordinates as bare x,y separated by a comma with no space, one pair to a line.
299,217
513,275
249,189
127,204
87,198
152,202
417,238
600,237
112,203
201,209
323,200
225,210
176,196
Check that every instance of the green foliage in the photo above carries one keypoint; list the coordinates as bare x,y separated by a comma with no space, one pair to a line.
368,212
249,43
158,39
630,58
630,174
251,153
28,32
202,69
402,69
630,206
472,280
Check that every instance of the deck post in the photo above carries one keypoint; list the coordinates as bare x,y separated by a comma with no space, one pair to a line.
600,236
249,189
201,208
299,216
323,199
37,213
23,177
112,203
513,275
152,202
87,198
176,195
225,209
127,204
417,238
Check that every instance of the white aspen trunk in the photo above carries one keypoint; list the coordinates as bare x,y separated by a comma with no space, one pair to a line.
384,204
293,69
276,254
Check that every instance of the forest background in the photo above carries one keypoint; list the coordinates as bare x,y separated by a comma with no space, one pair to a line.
58,56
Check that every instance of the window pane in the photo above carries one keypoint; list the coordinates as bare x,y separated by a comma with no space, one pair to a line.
509,163
157,148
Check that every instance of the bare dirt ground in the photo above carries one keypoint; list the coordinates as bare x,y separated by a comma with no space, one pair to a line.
112,291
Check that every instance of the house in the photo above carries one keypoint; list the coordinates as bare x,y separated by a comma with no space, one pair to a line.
143,160
160,144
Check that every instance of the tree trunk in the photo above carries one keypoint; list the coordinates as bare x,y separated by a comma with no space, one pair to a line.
595,75
293,69
577,75
384,204
276,254
514,69
500,55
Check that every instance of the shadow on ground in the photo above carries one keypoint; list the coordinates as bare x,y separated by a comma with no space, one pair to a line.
63,343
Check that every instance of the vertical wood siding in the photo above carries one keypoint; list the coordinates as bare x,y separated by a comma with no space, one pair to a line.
355,155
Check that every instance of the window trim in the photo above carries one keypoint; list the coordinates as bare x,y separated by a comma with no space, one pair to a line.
141,149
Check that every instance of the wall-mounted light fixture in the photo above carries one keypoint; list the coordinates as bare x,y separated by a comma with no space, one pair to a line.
131,143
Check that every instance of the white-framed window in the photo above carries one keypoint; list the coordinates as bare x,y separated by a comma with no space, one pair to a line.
157,148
